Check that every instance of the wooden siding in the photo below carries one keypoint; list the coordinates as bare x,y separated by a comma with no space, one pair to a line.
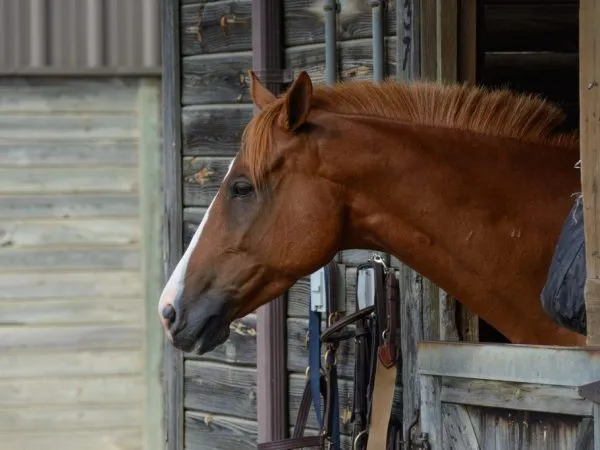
74,360
215,107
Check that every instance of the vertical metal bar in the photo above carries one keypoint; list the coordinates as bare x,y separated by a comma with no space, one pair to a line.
378,9
331,9
267,57
173,209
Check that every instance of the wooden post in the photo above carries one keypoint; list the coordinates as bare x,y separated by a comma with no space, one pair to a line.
173,209
589,95
271,343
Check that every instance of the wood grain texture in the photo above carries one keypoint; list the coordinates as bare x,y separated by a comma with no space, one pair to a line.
70,312
214,130
54,95
217,432
216,27
68,181
589,91
304,21
458,429
69,418
70,363
214,79
73,338
78,391
76,259
112,438
202,178
69,232
84,154
66,206
48,285
61,126
521,396
356,59
236,388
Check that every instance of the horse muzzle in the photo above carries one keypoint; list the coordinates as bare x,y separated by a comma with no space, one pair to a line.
198,325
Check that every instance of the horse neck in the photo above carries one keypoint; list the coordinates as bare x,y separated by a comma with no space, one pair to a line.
478,215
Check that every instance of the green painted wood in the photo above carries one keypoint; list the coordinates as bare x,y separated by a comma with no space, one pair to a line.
151,206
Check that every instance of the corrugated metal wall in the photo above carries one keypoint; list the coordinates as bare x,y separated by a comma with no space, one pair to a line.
79,37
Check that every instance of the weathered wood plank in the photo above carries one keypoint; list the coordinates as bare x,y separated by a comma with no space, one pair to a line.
65,232
65,206
531,27
459,432
299,298
123,390
508,429
521,396
56,417
74,338
220,389
217,432
303,21
214,130
60,127
356,59
345,390
113,439
68,181
589,73
202,178
216,27
69,259
75,311
553,365
70,363
55,95
431,409
47,285
298,352
239,349
120,153
522,72
214,79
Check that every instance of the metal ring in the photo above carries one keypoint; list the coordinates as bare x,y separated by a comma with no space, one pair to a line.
385,335
358,436
326,357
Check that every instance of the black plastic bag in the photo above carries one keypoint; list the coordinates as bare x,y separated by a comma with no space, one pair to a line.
563,296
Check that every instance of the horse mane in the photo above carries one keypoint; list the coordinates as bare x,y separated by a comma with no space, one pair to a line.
497,112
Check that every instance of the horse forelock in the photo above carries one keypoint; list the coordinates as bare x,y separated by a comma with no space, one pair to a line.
494,112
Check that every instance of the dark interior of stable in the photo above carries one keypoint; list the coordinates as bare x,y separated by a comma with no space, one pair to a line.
529,46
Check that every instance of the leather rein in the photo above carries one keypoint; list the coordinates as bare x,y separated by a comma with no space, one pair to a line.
373,328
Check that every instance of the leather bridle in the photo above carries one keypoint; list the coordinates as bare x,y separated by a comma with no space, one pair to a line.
376,354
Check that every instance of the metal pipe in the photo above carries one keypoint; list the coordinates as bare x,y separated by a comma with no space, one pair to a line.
271,350
331,8
377,23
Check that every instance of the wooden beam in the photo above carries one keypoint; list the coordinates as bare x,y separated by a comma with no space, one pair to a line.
151,208
267,57
173,213
589,79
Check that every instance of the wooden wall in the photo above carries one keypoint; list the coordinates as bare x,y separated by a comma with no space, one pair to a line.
220,387
74,345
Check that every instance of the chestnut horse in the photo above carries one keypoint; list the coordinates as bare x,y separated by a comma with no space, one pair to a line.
468,187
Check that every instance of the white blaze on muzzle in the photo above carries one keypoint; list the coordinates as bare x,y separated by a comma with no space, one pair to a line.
176,282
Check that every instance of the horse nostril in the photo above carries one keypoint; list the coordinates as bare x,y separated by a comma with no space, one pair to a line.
169,314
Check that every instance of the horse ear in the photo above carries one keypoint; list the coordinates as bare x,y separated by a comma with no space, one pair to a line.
298,101
261,96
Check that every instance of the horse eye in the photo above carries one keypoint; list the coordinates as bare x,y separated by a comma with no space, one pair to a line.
241,189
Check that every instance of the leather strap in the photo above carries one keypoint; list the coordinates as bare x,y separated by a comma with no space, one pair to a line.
381,410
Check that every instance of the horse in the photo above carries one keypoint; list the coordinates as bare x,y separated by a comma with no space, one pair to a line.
466,185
